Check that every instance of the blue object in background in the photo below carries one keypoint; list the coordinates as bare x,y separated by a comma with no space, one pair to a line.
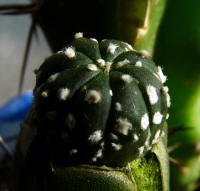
12,114
17,107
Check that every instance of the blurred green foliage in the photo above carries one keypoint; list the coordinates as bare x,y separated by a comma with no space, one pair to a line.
178,51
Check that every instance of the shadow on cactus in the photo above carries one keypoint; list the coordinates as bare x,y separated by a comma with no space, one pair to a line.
98,109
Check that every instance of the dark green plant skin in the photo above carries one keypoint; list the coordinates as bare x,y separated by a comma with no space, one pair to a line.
138,99
27,179
91,178
74,120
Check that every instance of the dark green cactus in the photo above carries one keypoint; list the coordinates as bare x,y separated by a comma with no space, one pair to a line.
98,108
99,103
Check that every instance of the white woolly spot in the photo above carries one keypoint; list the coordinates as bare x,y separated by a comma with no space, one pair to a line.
126,49
94,159
96,136
151,91
70,121
112,47
110,92
53,77
122,63
135,137
113,136
167,116
129,46
126,78
138,64
101,62
45,94
156,75
157,135
165,89
84,88
157,118
93,96
108,66
144,121
73,151
123,126
92,67
149,148
118,106
64,93
148,139
145,53
134,108
102,145
94,39
116,147
168,100
70,52
141,150
60,51
99,153
162,134
162,77
142,31
78,35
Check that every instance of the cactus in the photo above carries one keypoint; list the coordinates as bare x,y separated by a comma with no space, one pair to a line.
44,159
98,107
121,99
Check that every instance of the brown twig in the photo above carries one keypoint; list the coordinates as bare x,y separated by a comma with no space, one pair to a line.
16,6
20,9
15,9
26,53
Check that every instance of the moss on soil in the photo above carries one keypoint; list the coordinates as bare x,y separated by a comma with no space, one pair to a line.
145,175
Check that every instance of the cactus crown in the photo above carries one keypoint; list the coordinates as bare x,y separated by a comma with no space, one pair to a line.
100,103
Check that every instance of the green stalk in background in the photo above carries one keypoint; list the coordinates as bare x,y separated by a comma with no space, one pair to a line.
136,21
178,51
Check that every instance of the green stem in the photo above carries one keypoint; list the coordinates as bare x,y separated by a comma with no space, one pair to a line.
136,21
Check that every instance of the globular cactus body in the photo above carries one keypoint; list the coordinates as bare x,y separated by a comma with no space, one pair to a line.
97,109
99,103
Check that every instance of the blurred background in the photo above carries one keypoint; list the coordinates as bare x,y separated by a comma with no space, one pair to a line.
13,36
